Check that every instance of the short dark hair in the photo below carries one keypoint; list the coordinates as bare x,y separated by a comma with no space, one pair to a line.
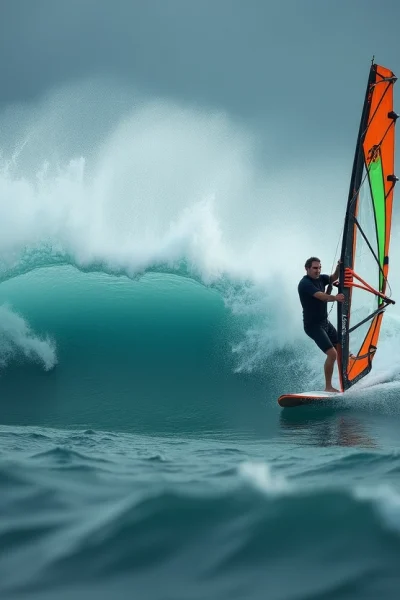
310,261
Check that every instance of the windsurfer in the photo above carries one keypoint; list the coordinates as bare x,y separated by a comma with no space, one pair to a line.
314,301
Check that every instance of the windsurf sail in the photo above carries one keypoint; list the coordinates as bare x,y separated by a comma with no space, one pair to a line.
364,257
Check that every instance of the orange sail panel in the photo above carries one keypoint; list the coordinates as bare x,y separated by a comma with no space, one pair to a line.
366,236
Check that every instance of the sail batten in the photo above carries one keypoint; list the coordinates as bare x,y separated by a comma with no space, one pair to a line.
366,234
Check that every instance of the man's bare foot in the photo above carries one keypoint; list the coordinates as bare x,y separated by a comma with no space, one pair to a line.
331,389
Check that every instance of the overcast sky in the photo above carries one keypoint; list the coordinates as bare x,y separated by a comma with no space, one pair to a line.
300,65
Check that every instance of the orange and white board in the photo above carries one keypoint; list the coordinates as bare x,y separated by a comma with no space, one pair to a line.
291,400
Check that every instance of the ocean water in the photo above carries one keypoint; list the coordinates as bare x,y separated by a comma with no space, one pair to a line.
149,320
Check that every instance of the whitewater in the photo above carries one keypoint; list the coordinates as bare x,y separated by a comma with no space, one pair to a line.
149,259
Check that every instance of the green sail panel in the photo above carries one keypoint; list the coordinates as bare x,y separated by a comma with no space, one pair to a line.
378,198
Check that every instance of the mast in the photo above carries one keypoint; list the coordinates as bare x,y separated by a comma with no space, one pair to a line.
343,309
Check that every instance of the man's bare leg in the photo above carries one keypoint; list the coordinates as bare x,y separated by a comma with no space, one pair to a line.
331,356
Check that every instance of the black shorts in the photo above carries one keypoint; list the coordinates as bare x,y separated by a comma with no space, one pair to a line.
324,335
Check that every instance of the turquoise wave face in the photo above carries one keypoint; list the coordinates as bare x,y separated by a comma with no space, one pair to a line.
155,353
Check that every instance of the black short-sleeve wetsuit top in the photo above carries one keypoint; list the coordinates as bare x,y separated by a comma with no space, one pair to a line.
315,312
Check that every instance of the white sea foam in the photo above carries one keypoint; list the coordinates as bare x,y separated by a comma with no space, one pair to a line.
16,338
386,501
260,475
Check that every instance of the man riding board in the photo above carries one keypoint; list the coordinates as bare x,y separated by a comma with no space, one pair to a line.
315,313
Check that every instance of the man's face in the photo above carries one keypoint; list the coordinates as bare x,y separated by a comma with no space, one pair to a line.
315,270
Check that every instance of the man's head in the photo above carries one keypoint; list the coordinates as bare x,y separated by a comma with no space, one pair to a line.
313,267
